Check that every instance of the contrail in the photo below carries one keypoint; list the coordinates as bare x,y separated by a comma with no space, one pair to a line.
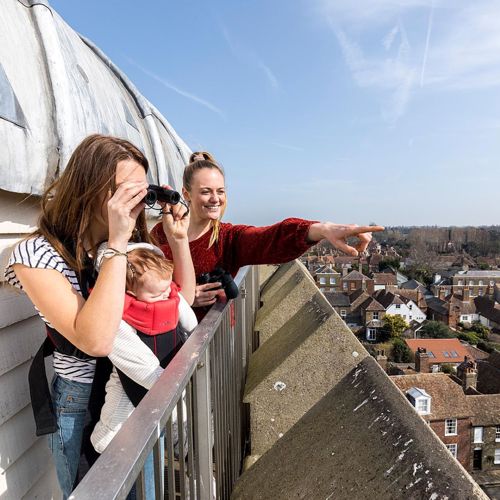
179,91
426,51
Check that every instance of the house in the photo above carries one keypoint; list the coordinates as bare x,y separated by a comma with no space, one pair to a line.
382,281
400,306
400,277
327,279
372,314
488,312
431,354
356,280
443,405
453,309
479,282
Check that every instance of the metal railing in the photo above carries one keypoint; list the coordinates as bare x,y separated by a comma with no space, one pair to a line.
204,443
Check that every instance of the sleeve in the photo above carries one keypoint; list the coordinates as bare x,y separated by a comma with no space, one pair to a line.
187,317
276,244
35,253
134,358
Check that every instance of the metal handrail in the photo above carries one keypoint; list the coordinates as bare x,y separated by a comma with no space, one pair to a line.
209,370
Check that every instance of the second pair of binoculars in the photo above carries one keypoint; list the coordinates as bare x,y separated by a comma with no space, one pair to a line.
157,193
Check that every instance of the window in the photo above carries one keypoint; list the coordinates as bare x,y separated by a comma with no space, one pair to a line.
460,282
497,456
471,283
492,283
454,354
481,283
353,286
333,281
398,306
453,449
480,292
411,317
465,318
450,427
344,286
430,354
410,307
371,334
446,354
343,313
375,315
422,405
478,434
497,433
322,280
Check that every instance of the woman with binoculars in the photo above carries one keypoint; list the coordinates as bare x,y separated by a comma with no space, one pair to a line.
215,244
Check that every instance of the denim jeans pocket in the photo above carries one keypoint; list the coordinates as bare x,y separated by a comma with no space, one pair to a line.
70,396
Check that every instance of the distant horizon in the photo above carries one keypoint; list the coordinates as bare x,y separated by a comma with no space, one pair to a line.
337,110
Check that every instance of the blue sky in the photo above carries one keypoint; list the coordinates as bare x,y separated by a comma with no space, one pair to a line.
342,110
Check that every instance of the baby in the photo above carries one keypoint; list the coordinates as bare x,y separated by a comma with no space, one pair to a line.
155,317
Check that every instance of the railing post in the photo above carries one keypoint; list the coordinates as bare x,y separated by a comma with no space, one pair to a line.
203,429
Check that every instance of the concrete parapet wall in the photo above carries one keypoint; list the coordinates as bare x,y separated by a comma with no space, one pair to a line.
326,421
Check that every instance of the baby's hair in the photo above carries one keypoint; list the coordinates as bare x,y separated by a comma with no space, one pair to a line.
142,260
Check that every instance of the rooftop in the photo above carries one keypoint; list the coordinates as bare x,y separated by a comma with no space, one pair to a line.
440,350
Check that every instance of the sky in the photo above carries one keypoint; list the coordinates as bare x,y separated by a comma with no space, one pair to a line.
349,111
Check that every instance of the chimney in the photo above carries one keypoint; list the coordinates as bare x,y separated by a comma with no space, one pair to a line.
466,294
442,293
360,266
381,359
467,372
422,360
344,270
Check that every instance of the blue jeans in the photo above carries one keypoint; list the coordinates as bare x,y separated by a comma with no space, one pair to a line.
149,474
70,401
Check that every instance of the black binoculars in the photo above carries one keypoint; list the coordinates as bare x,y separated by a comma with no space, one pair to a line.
157,193
226,280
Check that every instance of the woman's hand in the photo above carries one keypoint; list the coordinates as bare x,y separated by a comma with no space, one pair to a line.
337,235
206,295
124,206
175,220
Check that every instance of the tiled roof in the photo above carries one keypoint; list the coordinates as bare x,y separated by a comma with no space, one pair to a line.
357,298
447,397
384,279
454,349
485,409
338,299
488,308
480,274
464,307
412,285
370,304
387,298
437,305
355,276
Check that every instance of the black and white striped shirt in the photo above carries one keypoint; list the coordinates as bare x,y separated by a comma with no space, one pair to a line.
38,253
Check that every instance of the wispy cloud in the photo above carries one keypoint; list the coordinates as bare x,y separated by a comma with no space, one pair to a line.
248,55
183,93
464,54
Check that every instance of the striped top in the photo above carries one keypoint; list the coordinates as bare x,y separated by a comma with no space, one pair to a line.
38,253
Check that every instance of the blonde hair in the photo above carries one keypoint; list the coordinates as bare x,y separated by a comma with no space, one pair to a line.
187,179
142,260
69,204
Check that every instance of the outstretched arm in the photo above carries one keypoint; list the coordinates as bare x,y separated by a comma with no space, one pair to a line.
337,235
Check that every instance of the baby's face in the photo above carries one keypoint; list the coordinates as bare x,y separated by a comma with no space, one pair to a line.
153,287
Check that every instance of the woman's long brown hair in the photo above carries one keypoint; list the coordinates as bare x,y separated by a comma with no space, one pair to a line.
70,204
187,179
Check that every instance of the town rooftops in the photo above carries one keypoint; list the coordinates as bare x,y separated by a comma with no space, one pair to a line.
412,285
479,274
488,308
440,350
447,397
384,279
338,299
485,409
355,276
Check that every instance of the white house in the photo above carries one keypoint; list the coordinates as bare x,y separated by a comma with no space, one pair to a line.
56,88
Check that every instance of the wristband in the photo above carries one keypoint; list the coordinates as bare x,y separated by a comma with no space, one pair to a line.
109,253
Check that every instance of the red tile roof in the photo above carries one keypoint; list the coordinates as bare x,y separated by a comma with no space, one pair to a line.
456,352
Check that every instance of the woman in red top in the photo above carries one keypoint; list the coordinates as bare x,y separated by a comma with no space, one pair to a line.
219,244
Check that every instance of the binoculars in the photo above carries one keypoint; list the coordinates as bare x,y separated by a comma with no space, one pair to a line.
157,193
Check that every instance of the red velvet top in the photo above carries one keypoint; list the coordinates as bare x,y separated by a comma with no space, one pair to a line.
240,245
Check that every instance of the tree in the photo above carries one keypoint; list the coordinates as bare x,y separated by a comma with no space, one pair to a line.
401,353
389,262
469,337
394,325
480,330
435,330
447,368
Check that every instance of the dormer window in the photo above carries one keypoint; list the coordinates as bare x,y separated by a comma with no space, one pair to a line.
420,400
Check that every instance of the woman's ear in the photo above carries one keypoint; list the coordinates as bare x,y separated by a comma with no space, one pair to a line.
185,194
